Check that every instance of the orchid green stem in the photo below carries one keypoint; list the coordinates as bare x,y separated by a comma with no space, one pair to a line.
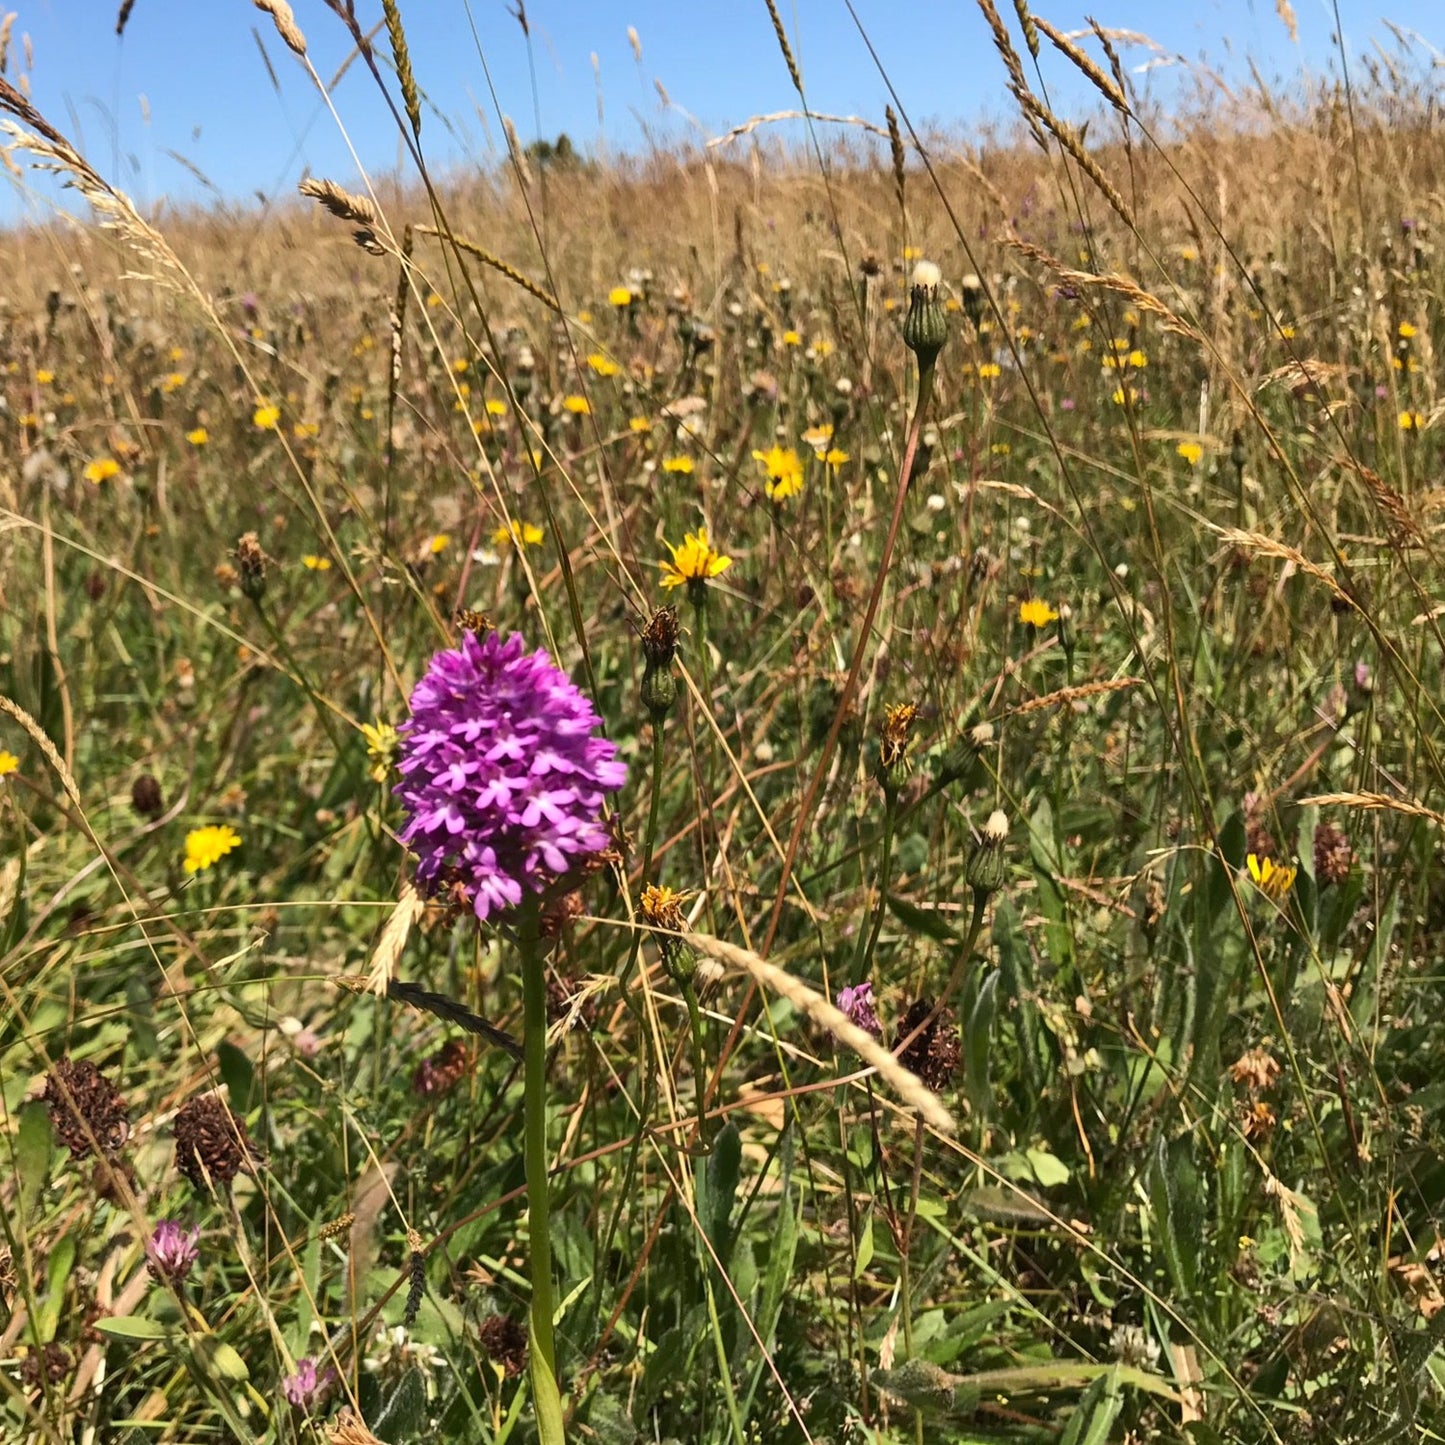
546,1398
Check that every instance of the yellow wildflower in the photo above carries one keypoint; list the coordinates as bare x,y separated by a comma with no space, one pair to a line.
693,562
619,296
44,378
1407,331
577,405
792,338
784,472
639,424
381,743
496,406
603,365
102,469
266,416
439,543
989,370
822,348
198,436
1411,420
313,563
173,382
834,457
519,534
819,437
1036,612
1272,879
8,763
205,846
1192,452
682,466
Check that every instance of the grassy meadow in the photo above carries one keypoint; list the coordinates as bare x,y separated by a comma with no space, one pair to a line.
1060,707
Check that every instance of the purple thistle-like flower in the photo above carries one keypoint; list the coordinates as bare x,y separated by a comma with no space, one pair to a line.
304,1386
502,774
857,1004
172,1250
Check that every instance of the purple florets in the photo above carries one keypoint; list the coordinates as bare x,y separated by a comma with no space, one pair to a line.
857,1004
502,775
172,1250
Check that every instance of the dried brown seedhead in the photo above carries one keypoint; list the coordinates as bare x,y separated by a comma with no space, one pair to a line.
210,1142
87,1111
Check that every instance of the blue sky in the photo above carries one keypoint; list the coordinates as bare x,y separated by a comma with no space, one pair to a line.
188,78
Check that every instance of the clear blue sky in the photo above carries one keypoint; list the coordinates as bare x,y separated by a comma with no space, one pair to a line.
188,78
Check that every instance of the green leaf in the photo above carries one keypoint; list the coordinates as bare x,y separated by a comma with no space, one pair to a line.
219,1362
404,1415
238,1074
135,1327
927,922
865,1247
33,1150
61,1261
977,1042
719,1181
1091,1423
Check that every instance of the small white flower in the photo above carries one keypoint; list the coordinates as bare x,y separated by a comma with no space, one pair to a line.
927,275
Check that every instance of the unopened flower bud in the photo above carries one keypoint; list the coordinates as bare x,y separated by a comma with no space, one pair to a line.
925,328
251,561
985,871
961,761
972,298
894,737
659,647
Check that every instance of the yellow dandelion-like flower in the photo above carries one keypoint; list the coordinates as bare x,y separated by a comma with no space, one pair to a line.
432,299
460,365
694,561
1410,420
1287,332
8,763
518,534
29,419
784,472
911,253
206,846
603,365
198,436
1137,359
44,378
639,424
835,457
619,296
305,430
313,563
681,466
577,405
1406,331
381,741
1036,612
101,469
792,338
990,370
1272,879
496,406
439,543
1192,452
265,417
822,348
174,382
819,437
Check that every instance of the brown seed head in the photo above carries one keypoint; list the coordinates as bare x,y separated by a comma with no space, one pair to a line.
505,1342
896,733
1333,854
146,797
86,1109
210,1141
935,1053
662,908
349,1429
659,637
1257,1069
251,560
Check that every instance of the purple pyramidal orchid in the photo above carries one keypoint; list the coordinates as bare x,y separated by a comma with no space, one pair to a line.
502,772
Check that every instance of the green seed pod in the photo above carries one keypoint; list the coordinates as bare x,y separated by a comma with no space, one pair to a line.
986,863
925,328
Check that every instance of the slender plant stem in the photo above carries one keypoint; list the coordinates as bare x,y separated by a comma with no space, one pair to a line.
546,1399
868,934
649,844
699,1060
